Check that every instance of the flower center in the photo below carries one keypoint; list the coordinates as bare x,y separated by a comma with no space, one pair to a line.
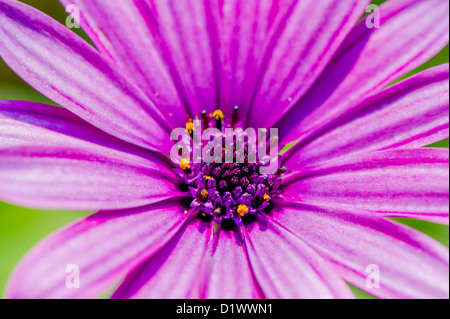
232,185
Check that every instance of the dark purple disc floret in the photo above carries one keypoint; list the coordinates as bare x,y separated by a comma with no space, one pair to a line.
229,187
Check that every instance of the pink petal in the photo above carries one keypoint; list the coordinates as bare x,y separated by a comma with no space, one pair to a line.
132,48
174,272
193,265
411,32
228,272
285,267
49,177
411,114
60,65
104,247
244,28
35,124
298,52
186,37
399,183
410,264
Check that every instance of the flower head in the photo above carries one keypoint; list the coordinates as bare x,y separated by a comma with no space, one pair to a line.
226,229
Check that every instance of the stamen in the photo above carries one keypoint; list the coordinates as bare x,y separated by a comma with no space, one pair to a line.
234,117
242,210
205,119
190,127
281,170
204,193
218,115
184,164
266,197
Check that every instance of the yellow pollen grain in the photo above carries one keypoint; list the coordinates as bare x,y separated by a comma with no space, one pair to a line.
207,177
266,197
204,193
218,115
190,127
184,164
242,210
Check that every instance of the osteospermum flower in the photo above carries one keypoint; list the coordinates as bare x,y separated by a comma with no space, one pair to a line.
224,229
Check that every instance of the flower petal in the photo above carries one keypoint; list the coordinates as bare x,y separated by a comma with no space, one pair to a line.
411,32
229,274
34,124
104,247
69,178
397,183
132,48
285,267
172,273
60,65
410,264
186,37
413,113
298,52
185,268
244,28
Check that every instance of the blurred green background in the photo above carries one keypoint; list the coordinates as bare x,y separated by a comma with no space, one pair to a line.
21,228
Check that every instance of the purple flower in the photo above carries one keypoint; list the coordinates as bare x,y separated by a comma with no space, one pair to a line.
225,230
